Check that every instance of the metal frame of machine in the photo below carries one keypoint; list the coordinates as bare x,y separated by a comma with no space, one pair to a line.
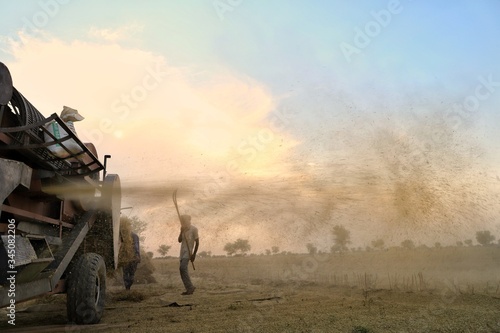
58,216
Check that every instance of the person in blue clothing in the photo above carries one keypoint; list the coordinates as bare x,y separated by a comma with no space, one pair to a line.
130,268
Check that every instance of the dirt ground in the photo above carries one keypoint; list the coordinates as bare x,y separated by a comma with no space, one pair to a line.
289,293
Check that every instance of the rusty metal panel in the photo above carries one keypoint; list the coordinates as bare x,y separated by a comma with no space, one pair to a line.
13,174
25,253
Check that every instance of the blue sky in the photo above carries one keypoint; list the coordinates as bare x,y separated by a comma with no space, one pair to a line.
272,39
351,125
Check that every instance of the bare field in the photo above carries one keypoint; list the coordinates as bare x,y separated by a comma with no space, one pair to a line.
426,290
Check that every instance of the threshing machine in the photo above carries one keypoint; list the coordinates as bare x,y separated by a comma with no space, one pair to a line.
59,213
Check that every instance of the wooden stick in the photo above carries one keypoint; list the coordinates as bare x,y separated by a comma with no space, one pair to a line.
174,198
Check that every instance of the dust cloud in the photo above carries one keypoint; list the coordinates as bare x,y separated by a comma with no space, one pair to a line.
413,175
437,180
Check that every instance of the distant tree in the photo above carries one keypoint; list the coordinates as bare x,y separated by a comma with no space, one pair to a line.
484,237
135,224
229,248
459,243
468,242
408,244
205,254
240,245
243,245
268,252
311,249
275,249
335,248
341,237
378,244
368,248
437,245
163,250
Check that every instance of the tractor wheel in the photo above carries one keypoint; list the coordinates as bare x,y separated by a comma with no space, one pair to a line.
86,291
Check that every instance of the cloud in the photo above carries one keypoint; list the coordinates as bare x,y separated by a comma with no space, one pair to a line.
163,125
117,34
164,121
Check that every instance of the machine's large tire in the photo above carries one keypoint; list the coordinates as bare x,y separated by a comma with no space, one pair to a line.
86,291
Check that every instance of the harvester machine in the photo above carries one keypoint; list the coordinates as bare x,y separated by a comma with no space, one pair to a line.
59,210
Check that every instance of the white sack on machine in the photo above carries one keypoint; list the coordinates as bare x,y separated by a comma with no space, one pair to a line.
68,115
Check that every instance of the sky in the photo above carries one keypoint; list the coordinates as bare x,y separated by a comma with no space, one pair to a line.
277,120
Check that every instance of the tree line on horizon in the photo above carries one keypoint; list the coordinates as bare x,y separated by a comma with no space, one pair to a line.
341,242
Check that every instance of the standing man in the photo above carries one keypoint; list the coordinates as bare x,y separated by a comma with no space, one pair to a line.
130,268
188,238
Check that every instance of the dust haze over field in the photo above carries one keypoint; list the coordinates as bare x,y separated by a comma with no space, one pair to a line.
280,157
419,175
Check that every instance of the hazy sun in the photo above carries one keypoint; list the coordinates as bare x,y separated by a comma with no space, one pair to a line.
118,134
